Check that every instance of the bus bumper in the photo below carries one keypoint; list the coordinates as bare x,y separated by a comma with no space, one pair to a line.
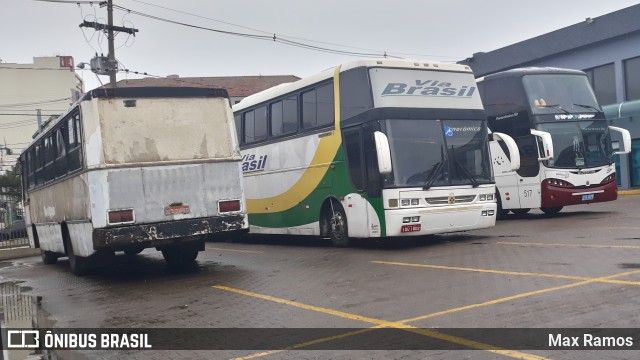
165,233
438,220
553,196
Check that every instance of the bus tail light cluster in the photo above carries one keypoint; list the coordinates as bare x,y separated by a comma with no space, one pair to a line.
559,183
226,206
125,216
608,179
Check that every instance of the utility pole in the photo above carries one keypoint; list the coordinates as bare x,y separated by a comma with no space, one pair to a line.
110,37
109,65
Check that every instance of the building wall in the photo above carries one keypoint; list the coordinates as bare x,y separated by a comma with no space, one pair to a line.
48,84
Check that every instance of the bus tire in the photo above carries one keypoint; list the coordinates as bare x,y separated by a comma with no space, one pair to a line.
336,222
48,257
79,264
551,210
520,211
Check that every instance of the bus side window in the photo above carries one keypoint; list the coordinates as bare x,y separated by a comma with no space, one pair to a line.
374,184
354,157
326,110
255,125
74,150
529,164
309,114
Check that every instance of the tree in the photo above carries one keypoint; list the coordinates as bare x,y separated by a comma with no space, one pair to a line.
11,184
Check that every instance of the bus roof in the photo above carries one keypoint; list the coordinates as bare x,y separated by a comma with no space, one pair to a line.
134,92
531,71
285,88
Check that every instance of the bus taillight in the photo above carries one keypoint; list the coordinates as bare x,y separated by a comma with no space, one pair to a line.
228,206
120,216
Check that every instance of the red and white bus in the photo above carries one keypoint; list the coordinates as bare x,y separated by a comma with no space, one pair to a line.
566,155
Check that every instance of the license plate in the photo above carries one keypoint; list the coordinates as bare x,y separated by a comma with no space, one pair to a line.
410,228
587,197
176,209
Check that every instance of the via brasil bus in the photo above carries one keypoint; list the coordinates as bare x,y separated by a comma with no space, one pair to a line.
566,155
367,149
126,169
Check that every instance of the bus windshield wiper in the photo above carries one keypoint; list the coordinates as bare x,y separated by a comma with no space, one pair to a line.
587,107
437,168
556,106
466,171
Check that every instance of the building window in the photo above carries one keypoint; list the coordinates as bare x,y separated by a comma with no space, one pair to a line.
602,79
635,163
632,78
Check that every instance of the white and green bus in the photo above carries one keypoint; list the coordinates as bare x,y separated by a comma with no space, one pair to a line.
372,148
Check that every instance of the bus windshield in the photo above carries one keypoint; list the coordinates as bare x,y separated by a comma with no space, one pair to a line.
579,144
559,93
437,153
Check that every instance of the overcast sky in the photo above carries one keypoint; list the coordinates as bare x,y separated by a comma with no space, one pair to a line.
446,30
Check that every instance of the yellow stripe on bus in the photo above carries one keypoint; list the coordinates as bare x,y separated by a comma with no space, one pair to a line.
317,169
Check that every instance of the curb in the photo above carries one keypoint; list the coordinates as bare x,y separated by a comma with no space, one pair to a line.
20,252
629,192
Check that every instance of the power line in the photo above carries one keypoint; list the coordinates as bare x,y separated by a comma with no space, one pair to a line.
273,38
42,102
289,36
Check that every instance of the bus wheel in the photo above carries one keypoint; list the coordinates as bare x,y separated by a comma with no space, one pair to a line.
48,257
520,211
79,264
551,210
337,225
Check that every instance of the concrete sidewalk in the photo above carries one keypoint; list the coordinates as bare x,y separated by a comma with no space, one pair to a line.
629,192
18,252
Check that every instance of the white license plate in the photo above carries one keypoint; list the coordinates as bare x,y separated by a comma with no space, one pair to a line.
587,197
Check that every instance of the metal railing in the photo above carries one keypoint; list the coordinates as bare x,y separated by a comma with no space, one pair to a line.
13,232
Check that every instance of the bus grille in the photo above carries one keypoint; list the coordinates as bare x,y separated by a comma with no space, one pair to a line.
444,200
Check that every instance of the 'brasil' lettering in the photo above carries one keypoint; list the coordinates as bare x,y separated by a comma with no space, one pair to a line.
250,163
428,88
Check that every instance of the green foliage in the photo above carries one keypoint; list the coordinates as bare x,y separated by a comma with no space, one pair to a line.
11,184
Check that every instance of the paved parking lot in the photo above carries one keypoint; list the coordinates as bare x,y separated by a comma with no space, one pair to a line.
579,269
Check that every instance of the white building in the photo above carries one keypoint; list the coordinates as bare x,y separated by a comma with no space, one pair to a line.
50,84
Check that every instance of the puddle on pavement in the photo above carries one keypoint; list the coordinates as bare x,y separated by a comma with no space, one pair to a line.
629,266
23,311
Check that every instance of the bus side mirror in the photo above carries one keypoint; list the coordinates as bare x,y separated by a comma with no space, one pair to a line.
383,152
626,140
547,144
514,153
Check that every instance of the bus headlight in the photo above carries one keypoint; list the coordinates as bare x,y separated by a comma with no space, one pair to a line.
409,202
483,197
